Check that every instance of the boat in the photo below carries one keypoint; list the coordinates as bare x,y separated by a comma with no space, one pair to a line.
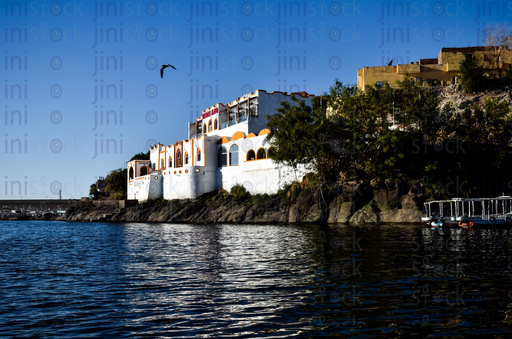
469,212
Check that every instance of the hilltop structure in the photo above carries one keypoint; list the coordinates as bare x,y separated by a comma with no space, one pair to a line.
441,71
225,147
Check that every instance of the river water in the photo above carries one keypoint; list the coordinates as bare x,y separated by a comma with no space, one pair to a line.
99,280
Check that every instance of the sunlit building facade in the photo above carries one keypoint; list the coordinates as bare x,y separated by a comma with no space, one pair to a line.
226,146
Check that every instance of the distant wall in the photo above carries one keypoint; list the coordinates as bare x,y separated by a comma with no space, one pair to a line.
34,204
116,203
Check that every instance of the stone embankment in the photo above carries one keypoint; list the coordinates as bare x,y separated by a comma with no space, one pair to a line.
394,202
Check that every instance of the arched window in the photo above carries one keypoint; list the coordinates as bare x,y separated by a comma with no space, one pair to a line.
215,124
233,155
251,155
144,170
271,152
162,164
131,173
186,158
210,126
204,129
222,157
261,154
178,159
170,161
198,154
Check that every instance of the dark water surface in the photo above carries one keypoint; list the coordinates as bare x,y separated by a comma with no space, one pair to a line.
100,280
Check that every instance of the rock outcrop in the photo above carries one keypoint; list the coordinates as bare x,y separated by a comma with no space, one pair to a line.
352,203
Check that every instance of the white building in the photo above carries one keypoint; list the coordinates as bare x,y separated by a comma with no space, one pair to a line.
225,147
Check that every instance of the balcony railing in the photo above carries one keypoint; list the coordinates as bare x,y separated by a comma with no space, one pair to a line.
234,121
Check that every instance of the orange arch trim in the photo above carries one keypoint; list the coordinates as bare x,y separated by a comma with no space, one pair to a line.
223,140
238,135
264,131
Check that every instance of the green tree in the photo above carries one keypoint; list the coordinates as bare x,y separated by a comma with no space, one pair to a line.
292,132
116,181
471,74
140,156
92,189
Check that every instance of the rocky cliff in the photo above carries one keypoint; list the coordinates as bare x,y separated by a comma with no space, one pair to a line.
354,203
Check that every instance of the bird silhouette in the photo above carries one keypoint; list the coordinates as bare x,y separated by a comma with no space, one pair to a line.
164,67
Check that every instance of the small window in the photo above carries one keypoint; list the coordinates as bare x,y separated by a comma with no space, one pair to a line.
210,126
186,158
131,173
178,159
261,153
251,155
162,163
379,84
198,154
233,155
144,170
170,161
204,128
215,125
222,157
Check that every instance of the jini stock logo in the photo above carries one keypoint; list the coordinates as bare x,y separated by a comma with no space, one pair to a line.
416,9
42,186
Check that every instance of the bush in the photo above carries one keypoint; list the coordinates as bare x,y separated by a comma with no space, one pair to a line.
119,196
238,191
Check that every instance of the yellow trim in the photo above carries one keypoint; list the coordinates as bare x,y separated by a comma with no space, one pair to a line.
238,135
246,154
250,135
223,140
264,131
263,151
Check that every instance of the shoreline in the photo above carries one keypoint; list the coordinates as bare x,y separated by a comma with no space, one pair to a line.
350,203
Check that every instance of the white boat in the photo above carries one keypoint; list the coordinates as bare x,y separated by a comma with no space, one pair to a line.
469,212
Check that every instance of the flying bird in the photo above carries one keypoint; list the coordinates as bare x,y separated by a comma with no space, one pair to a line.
164,67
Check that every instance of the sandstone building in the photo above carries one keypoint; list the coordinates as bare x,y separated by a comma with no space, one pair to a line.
440,71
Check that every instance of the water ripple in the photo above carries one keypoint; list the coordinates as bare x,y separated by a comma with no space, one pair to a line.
67,280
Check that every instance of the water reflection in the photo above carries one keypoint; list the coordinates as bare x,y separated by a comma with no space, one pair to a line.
146,280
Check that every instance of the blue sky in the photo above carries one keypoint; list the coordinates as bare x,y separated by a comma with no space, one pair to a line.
82,91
